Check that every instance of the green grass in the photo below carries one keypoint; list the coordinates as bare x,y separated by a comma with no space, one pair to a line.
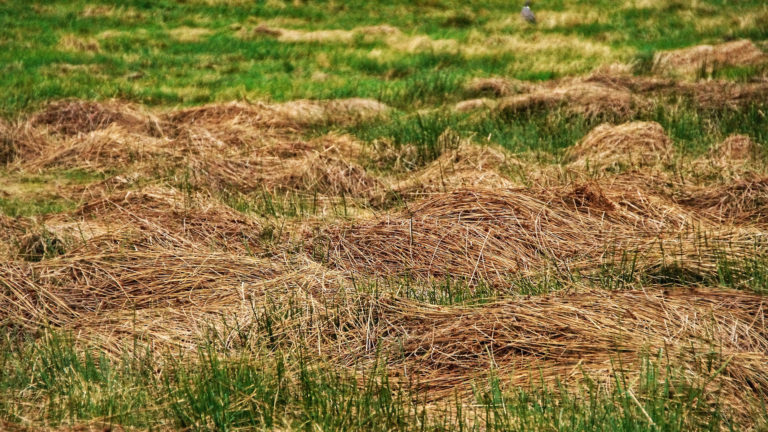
15,207
59,49
230,390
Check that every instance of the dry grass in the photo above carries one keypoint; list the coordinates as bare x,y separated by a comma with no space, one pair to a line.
569,336
632,144
189,34
586,98
736,148
479,234
70,42
691,61
162,265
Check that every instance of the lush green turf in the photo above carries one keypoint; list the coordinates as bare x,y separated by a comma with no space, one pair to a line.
135,50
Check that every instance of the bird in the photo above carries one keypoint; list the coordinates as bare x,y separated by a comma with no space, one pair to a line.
527,14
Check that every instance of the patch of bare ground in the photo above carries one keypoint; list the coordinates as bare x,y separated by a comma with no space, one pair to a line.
692,61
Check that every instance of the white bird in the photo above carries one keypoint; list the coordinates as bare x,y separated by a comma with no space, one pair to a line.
527,13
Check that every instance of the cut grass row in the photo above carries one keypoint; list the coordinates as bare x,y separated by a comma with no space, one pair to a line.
50,380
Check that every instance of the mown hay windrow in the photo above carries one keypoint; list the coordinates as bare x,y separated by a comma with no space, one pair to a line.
8,147
720,94
744,202
101,149
469,165
160,297
689,61
590,99
736,148
69,117
496,86
482,234
562,336
314,167
630,144
474,104
158,217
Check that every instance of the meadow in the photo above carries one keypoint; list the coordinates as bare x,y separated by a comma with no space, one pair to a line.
348,215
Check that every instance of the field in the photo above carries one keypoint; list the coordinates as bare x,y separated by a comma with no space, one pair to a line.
407,215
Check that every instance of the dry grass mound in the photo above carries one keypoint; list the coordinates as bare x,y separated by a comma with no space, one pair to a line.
158,217
736,148
491,234
69,117
235,145
101,150
8,147
690,61
590,99
496,86
630,144
564,336
161,297
722,94
469,165
474,105
743,202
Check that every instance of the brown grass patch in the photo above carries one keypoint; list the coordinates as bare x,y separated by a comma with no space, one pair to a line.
564,336
157,218
491,234
690,61
69,117
590,99
189,34
325,36
630,144
736,148
70,42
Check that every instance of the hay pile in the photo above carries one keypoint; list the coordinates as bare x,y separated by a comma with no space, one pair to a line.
164,298
693,60
157,217
69,117
468,166
236,145
498,87
736,148
492,234
632,144
564,336
743,202
590,99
